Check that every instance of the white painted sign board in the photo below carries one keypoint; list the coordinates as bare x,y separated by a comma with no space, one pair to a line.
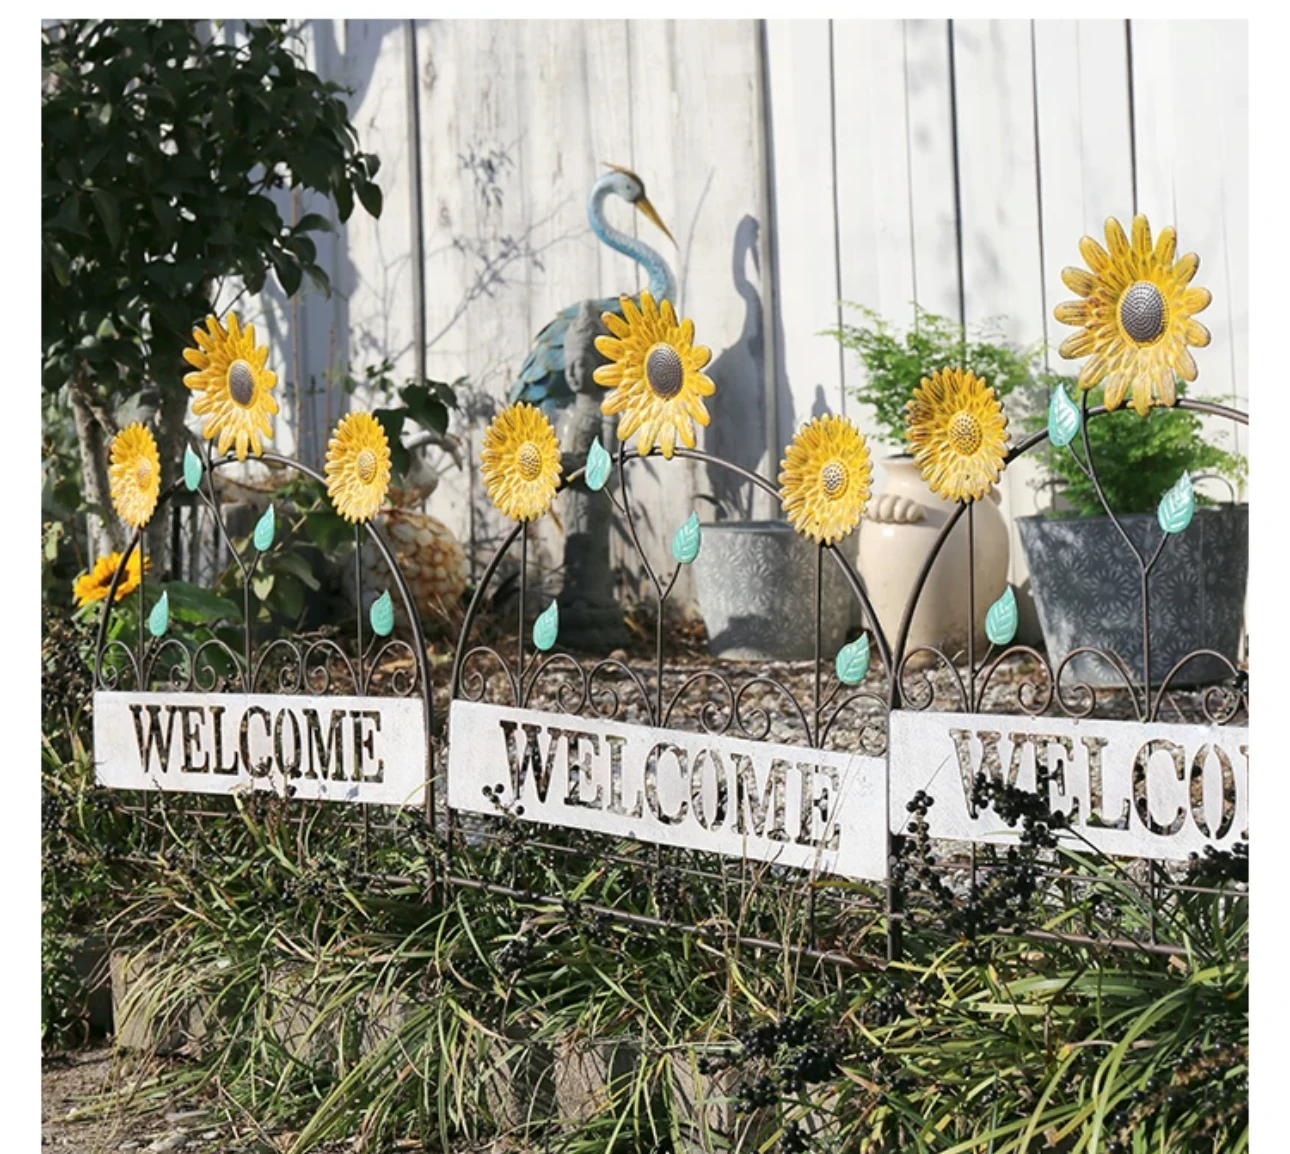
359,749
807,808
1154,791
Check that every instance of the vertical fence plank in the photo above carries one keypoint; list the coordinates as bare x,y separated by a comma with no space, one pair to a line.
1003,286
933,210
875,244
800,110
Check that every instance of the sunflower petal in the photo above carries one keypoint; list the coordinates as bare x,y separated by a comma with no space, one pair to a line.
1195,300
1166,244
608,375
611,347
1195,333
1072,312
1117,385
615,324
667,313
1078,344
1117,244
197,359
1079,281
1185,268
1167,389
630,311
234,328
700,355
1095,368
1094,255
1141,233
1186,367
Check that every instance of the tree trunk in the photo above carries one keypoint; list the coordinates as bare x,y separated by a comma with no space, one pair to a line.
171,433
94,433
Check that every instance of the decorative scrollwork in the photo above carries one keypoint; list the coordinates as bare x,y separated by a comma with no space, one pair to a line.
578,687
873,729
472,684
107,674
1085,691
922,695
609,695
1232,699
402,680
1034,697
714,718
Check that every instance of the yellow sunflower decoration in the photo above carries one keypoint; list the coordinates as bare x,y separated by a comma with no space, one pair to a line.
957,433
656,374
134,475
94,585
824,479
358,466
236,389
1135,315
521,462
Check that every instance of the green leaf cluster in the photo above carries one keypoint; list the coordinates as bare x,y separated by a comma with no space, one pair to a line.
895,364
161,152
1137,459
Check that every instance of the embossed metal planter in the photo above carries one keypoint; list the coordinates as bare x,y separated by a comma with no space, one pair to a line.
1087,587
755,583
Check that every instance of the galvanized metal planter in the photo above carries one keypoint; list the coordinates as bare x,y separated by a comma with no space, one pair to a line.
1086,587
752,579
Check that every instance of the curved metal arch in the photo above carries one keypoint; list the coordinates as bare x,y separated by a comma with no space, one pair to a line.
250,671
1151,706
659,707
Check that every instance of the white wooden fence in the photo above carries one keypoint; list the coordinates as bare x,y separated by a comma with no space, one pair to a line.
798,164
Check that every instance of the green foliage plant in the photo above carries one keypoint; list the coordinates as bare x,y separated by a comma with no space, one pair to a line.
1137,458
894,364
160,148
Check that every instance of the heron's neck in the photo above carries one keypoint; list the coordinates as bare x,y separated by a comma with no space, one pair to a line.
662,285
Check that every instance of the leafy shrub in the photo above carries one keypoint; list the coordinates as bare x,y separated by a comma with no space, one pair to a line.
1137,458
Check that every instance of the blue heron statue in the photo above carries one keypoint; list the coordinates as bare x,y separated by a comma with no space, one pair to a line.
557,377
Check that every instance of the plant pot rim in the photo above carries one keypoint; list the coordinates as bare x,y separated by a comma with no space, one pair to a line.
1103,518
748,526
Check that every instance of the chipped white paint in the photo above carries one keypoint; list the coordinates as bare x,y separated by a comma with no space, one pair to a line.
359,749
1150,791
807,808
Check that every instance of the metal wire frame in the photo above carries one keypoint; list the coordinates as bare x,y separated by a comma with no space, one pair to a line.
1220,704
294,674
589,687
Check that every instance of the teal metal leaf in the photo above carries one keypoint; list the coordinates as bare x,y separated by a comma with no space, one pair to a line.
192,469
1177,506
1063,418
159,618
853,661
598,466
1001,619
686,540
264,530
381,615
547,627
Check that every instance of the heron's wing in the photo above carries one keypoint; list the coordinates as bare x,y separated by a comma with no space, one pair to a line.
542,380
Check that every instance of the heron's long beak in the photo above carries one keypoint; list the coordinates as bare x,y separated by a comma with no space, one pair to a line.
648,209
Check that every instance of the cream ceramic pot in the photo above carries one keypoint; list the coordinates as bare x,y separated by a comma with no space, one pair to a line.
899,528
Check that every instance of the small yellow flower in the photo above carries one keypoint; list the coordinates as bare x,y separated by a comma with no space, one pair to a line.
134,475
1135,316
234,386
655,374
521,462
358,466
957,433
94,585
824,479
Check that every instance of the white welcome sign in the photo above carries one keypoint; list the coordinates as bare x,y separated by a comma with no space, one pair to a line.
358,749
1141,790
807,808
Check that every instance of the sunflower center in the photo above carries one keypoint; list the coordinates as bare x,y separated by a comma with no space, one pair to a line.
241,383
833,479
964,433
365,465
529,460
1142,312
664,372
143,474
